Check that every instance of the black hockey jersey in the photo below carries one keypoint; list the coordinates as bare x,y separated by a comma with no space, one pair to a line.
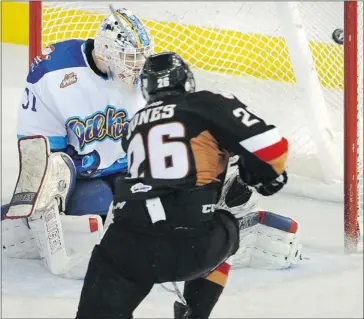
185,142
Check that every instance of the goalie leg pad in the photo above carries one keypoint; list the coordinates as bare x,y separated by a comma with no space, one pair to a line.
42,177
66,242
90,197
277,221
4,210
268,241
17,239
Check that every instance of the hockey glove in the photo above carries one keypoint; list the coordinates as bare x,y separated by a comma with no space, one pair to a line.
235,191
266,188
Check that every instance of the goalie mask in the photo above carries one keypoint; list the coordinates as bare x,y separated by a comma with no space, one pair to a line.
122,44
166,74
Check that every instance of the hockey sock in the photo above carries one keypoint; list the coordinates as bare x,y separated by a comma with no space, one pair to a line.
202,294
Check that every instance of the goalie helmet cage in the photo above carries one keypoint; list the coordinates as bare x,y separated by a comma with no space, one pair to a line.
248,60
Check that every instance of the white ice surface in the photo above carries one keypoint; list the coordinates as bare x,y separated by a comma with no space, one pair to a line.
327,283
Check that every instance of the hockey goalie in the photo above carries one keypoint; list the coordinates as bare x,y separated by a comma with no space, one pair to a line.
78,96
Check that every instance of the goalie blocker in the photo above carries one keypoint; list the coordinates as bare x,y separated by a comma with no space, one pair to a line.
35,225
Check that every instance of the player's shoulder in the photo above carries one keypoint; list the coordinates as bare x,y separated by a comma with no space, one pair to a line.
58,56
211,96
208,101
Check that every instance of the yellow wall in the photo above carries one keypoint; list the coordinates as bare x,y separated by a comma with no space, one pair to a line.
14,22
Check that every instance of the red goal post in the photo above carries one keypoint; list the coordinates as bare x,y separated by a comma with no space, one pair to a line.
226,61
35,29
351,127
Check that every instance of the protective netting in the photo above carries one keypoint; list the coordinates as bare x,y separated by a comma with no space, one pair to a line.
240,47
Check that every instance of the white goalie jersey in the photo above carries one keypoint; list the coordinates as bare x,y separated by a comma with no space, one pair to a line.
79,111
70,123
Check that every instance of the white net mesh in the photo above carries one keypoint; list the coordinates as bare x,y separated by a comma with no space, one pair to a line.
240,47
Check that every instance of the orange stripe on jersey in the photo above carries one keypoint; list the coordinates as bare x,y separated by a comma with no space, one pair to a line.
218,278
279,164
220,274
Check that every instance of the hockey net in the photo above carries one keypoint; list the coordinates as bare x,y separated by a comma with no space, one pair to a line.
284,60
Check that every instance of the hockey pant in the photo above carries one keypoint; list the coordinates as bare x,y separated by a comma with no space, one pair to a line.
92,196
128,262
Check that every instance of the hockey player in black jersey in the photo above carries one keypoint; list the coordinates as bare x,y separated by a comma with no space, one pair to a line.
166,226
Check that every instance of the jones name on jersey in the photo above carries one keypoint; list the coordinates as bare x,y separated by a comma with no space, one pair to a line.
194,133
151,115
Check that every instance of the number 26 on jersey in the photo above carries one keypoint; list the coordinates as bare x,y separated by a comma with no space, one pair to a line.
167,159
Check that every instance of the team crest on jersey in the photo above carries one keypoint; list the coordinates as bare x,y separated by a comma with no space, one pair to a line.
45,55
140,188
99,126
68,80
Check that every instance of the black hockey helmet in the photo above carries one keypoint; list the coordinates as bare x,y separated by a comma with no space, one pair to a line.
166,74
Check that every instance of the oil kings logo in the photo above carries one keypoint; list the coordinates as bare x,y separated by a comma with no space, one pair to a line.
98,126
68,80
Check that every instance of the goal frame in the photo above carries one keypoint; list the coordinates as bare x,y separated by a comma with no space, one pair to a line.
351,201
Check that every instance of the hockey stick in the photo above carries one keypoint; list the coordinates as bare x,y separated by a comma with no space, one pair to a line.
56,255
175,291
